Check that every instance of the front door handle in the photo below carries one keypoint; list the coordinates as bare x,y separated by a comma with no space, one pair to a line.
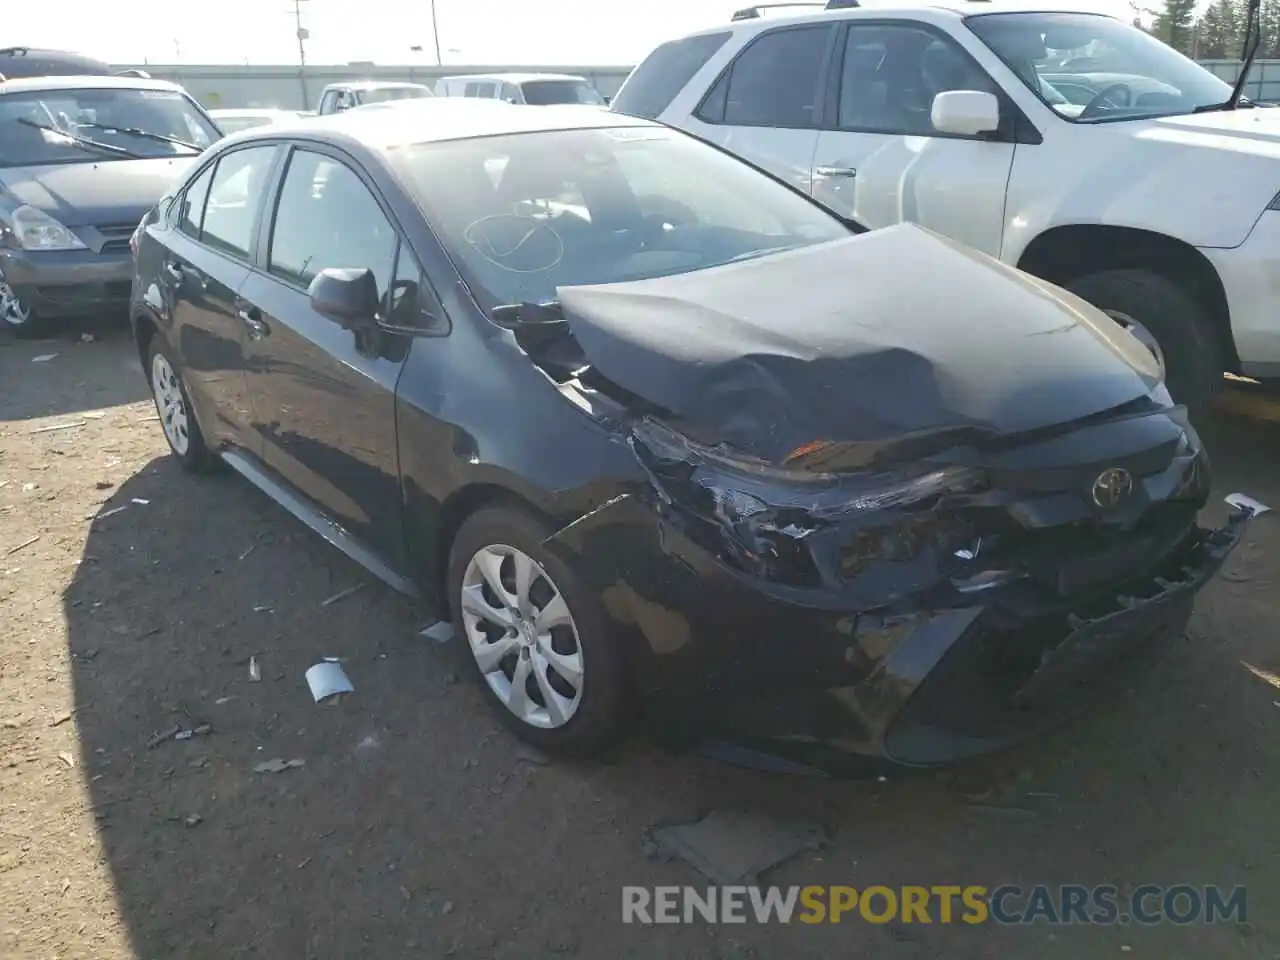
847,173
251,317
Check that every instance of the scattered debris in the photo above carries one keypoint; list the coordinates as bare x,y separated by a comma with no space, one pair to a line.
103,485
193,820
43,358
201,731
304,862
221,700
28,487
160,738
343,594
95,415
58,426
262,609
279,765
447,907
68,759
22,546
255,671
1242,501
107,513
140,502
441,631
87,338
146,419
199,763
62,718
247,552
66,885
735,846
327,680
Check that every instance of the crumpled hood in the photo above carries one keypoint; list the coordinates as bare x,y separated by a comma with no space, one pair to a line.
891,334
105,192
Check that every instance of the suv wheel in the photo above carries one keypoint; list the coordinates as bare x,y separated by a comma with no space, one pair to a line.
536,635
16,316
174,407
1169,322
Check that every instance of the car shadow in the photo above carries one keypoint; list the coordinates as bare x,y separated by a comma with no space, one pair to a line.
416,826
64,375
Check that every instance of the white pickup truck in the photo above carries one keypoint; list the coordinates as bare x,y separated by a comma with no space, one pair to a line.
1071,145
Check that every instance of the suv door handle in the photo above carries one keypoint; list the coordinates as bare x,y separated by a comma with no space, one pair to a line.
846,172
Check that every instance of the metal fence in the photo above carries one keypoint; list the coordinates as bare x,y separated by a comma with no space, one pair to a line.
1263,84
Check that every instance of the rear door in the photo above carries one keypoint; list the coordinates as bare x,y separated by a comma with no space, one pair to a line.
205,261
766,106
327,395
879,159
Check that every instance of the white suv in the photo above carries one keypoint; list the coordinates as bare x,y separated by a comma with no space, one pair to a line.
1071,145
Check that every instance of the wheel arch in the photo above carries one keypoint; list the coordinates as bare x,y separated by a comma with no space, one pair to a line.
1067,252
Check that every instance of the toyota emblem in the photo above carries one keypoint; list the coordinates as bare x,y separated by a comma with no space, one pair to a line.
1111,487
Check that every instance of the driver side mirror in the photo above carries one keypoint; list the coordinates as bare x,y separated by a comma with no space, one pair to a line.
966,113
347,296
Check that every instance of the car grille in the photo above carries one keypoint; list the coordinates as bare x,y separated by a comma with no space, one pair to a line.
115,236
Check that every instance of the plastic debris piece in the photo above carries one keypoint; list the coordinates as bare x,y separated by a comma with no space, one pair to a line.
278,765
108,513
140,502
262,608
735,846
95,415
66,758
327,680
247,552
221,700
255,671
1242,501
342,594
62,718
441,631
192,820
87,338
43,358
203,730
160,738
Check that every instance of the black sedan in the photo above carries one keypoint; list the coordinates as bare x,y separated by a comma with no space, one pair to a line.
657,431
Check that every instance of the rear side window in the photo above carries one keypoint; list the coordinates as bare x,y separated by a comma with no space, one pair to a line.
191,210
773,82
234,198
663,74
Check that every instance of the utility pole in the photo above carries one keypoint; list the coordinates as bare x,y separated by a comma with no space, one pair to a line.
435,34
303,34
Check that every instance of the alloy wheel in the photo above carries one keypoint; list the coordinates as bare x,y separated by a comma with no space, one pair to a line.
12,310
170,404
523,636
1139,333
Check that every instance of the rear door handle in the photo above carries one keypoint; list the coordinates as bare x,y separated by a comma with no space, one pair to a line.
847,173
251,317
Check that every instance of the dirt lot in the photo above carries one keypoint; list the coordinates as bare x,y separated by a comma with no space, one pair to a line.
418,828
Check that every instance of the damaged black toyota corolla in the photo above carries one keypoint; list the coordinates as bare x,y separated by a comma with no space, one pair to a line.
647,421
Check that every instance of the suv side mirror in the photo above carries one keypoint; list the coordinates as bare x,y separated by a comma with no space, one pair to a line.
346,296
966,113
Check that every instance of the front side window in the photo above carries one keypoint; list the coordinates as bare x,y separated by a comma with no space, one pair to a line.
327,218
891,73
385,94
234,199
545,92
524,214
478,89
664,73
774,81
1091,68
97,124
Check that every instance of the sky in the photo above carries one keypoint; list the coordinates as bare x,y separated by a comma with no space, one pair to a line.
471,32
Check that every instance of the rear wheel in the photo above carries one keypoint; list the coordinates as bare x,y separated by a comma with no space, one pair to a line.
174,407
1171,323
536,635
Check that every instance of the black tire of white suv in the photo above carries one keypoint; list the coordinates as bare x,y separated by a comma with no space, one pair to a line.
1178,322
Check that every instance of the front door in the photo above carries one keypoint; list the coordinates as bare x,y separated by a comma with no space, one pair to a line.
878,158
206,260
325,396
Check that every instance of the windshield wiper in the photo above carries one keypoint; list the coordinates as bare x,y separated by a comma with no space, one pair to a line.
1252,37
137,132
81,141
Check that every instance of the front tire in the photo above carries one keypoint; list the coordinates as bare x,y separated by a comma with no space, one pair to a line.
1155,308
18,317
173,405
536,635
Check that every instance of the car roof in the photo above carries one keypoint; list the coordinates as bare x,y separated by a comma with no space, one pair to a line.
442,119
372,84
44,84
515,77
249,111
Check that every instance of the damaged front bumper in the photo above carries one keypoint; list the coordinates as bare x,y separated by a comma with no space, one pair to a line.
826,688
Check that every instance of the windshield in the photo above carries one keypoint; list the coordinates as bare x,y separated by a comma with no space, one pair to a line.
229,125
145,123
383,94
544,92
524,214
1092,68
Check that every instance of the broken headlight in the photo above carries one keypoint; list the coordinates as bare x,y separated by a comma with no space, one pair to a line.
769,513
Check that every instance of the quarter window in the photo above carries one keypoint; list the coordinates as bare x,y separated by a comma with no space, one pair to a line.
234,199
327,218
774,82
191,207
664,73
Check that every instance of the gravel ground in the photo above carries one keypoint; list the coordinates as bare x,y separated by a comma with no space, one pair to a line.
417,827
